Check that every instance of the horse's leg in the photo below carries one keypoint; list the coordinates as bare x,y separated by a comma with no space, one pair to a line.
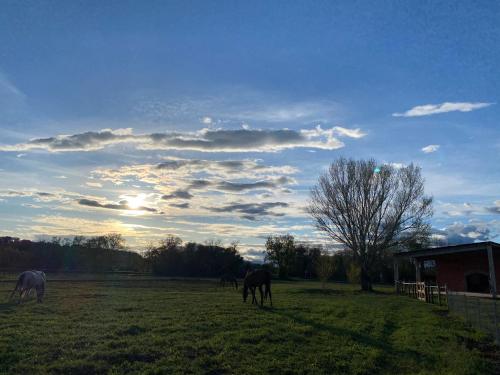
253,296
268,289
22,293
39,293
261,295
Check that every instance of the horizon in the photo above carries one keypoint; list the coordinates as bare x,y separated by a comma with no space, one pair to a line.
213,120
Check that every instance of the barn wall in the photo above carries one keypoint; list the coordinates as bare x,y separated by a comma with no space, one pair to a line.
452,268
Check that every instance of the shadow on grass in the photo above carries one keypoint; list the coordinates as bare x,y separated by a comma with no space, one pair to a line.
381,343
322,292
7,307
340,292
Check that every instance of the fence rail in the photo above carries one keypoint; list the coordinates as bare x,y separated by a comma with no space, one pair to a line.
424,292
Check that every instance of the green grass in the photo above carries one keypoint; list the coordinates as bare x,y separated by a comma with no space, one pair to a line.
189,326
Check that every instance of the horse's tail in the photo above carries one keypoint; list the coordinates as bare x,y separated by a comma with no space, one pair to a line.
20,280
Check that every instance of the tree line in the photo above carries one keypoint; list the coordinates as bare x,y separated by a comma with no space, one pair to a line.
77,254
170,257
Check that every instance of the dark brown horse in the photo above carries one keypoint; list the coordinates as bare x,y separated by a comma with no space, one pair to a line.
228,278
257,279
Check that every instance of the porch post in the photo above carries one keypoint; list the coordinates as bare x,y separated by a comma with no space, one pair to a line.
418,275
491,265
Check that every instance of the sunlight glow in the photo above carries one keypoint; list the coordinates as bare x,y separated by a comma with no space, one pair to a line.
135,202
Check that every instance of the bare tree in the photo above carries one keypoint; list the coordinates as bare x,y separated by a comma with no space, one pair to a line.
370,209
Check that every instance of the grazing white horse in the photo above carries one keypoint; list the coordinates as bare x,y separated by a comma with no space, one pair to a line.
27,281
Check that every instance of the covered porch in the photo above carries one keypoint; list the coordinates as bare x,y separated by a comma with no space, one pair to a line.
469,268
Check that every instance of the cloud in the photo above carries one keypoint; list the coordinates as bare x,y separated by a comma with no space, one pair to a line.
494,209
460,233
180,205
39,196
68,226
242,186
205,140
430,148
431,109
94,184
199,184
207,120
178,194
251,211
351,133
231,187
122,205
458,210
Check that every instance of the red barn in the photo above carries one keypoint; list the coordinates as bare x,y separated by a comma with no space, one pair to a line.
463,268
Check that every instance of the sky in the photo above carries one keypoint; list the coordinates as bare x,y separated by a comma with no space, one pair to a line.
213,119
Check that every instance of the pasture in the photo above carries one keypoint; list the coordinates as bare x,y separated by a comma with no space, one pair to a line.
192,326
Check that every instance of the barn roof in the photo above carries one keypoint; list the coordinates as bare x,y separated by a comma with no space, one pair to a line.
476,246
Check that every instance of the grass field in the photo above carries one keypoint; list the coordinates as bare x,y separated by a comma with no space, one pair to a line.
189,326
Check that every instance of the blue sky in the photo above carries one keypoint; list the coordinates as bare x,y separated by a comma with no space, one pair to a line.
212,119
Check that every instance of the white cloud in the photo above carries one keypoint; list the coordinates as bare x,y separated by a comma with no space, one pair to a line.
351,133
207,120
94,184
460,233
430,148
431,109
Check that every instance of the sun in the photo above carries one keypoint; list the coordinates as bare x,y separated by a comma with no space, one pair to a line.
135,202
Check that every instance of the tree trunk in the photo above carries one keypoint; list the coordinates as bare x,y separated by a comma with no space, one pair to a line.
366,282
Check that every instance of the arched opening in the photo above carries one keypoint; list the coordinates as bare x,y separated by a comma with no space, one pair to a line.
478,283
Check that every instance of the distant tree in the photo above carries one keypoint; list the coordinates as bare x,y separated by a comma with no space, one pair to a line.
325,268
280,250
78,241
115,241
371,209
111,241
213,242
171,242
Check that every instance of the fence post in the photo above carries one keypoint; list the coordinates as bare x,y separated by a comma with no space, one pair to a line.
466,309
446,292
439,294
479,322
497,335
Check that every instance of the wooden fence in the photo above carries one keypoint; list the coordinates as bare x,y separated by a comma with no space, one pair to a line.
424,292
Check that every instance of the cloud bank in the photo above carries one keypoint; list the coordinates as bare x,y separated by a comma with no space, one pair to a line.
205,140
